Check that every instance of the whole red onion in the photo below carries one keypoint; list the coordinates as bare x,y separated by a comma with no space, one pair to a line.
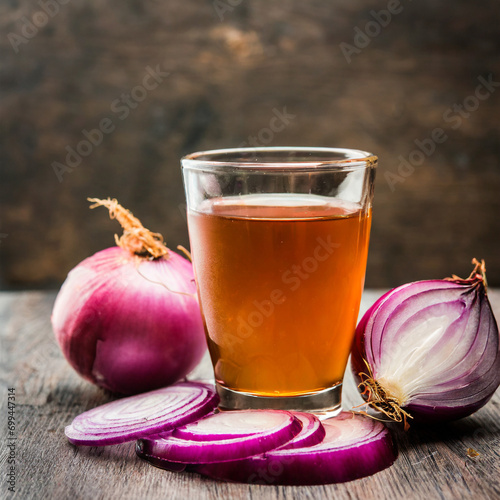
127,319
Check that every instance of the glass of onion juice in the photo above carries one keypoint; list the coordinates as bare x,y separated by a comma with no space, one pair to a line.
279,241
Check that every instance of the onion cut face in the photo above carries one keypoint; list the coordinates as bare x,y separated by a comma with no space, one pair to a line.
429,349
137,416
353,446
223,437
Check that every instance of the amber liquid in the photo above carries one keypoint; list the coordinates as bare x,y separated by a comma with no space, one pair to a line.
279,279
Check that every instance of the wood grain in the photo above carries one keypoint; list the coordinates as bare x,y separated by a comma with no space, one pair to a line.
432,462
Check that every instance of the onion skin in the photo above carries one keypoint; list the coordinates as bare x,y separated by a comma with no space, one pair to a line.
122,330
466,385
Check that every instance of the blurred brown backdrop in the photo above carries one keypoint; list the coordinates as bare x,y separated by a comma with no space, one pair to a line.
351,76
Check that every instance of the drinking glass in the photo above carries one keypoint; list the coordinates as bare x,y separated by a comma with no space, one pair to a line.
279,241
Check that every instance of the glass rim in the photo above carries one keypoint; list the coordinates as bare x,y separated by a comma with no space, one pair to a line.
354,159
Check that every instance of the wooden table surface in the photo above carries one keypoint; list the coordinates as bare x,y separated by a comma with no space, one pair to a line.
432,462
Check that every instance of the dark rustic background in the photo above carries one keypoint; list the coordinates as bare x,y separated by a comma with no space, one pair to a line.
66,71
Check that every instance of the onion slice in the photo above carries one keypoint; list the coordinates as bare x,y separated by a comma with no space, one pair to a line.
137,416
223,436
354,446
312,432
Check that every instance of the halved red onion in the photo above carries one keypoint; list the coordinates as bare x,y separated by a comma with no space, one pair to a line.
223,436
137,416
354,446
430,348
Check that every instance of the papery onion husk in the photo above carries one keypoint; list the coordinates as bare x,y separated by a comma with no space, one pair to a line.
127,318
429,350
